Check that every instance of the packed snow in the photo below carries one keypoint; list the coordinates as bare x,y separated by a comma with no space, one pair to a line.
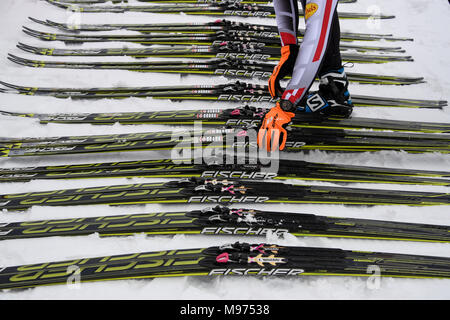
425,21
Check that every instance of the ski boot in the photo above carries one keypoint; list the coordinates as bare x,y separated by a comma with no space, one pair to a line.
333,88
315,103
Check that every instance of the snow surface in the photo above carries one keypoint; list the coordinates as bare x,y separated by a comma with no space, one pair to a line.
425,21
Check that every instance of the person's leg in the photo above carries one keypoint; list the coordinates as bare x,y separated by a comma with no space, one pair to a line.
333,80
319,16
332,60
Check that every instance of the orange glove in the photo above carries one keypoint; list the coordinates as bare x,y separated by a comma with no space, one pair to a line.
272,128
285,66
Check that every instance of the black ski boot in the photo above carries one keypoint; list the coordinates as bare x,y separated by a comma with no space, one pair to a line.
333,87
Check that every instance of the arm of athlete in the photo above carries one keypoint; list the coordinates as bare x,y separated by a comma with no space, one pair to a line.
304,63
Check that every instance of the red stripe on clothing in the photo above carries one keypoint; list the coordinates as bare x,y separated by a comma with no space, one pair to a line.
323,33
287,38
293,98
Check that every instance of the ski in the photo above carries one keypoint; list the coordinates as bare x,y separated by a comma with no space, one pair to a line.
241,38
107,138
300,139
216,191
210,27
232,92
237,259
229,67
249,116
220,168
207,46
228,64
223,8
222,220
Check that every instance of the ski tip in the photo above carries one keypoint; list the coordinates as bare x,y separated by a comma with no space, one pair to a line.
16,114
27,29
15,58
392,38
11,59
22,45
387,16
20,59
8,85
26,48
436,107
7,113
37,21
30,32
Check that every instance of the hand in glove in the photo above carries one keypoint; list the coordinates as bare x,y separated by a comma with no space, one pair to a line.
272,129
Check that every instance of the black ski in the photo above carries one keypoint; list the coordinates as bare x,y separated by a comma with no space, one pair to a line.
235,40
229,67
233,92
218,191
223,8
236,259
219,168
225,221
209,27
249,116
300,139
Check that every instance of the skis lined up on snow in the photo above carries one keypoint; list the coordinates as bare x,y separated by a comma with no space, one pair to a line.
209,27
222,220
238,259
215,49
241,38
232,92
223,8
249,116
262,170
231,66
216,183
228,67
221,50
219,191
202,46
221,139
